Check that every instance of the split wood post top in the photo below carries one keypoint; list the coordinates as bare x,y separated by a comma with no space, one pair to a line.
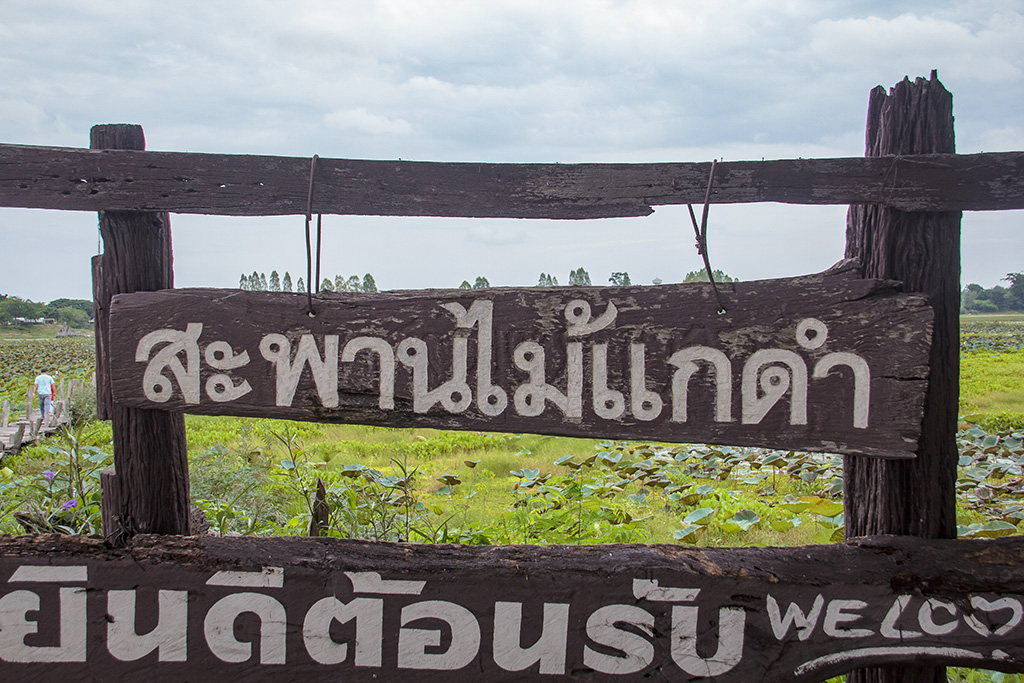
922,249
150,452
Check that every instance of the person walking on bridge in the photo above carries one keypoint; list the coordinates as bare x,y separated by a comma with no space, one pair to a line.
44,389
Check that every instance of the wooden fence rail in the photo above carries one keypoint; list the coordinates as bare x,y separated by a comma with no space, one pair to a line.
224,184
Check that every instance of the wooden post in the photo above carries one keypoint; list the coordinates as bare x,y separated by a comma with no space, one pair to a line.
911,497
18,437
150,455
110,504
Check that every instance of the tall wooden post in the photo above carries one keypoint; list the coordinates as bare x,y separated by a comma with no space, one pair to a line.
916,497
150,455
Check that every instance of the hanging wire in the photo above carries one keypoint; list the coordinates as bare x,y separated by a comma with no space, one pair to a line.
309,250
318,225
701,232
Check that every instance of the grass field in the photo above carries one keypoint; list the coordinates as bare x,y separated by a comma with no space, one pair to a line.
34,331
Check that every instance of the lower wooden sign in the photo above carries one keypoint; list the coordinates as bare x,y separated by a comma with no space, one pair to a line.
242,609
828,362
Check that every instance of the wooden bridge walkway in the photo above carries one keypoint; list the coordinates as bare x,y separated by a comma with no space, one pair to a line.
22,426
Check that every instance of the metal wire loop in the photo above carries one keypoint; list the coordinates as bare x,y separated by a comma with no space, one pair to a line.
701,233
309,253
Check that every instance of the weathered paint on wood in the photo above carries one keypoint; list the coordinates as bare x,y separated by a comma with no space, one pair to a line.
179,182
189,609
828,362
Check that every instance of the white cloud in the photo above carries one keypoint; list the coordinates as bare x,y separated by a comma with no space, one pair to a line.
360,121
987,55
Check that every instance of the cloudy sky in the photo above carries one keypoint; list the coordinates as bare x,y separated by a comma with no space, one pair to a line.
496,80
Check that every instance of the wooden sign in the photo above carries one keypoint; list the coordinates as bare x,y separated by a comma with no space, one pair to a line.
827,363
244,609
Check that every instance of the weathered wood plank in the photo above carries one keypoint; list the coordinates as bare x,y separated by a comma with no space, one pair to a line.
179,182
923,251
327,609
828,362
150,453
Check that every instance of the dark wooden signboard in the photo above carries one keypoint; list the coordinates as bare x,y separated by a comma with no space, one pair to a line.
828,362
239,609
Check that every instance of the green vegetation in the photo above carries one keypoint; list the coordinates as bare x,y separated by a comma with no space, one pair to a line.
260,476
21,361
702,276
992,372
258,282
22,313
976,299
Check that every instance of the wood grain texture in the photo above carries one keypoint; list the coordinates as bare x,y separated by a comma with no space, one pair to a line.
150,452
876,599
917,497
639,336
179,182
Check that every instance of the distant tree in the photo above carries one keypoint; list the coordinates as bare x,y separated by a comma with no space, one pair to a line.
72,317
254,281
339,283
702,276
969,297
275,281
481,282
620,279
1015,292
83,305
996,295
353,284
300,286
369,284
286,283
14,307
243,282
465,285
327,285
579,278
976,299
263,282
547,280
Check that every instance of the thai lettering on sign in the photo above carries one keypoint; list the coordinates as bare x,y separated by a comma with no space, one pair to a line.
822,371
175,616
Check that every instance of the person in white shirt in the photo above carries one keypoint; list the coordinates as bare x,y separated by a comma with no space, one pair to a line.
44,390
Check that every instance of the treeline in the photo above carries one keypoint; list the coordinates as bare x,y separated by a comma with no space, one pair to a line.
70,312
581,278
976,299
258,282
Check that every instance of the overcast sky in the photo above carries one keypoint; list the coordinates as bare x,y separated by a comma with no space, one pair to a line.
496,80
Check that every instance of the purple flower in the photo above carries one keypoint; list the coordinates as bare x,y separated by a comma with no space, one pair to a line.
71,505
49,475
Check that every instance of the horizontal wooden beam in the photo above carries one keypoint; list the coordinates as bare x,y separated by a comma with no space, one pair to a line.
272,609
829,362
243,185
